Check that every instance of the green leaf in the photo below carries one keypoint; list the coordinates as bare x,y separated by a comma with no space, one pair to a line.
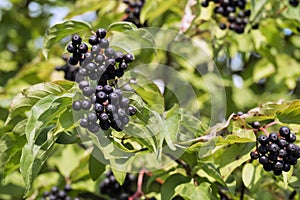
289,114
233,157
96,168
211,171
121,26
33,158
172,124
67,160
257,7
190,191
59,31
28,97
120,175
292,13
43,112
251,176
168,189
10,145
148,91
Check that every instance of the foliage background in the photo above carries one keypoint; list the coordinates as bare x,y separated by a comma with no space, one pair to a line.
257,67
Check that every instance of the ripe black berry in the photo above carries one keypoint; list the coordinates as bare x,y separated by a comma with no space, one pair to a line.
103,117
128,58
263,140
291,138
255,125
282,143
205,3
222,26
93,40
101,33
83,84
88,91
76,39
286,167
86,104
83,48
263,160
94,128
291,148
92,118
109,52
254,155
284,131
131,110
71,48
278,166
263,149
84,123
282,153
104,43
273,148
101,97
73,61
268,167
277,172
273,137
76,105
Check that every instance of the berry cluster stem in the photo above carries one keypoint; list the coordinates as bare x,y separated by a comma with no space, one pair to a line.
139,192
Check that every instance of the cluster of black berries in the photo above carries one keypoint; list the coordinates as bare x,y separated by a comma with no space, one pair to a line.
234,11
56,194
277,151
102,63
294,3
70,71
133,11
112,188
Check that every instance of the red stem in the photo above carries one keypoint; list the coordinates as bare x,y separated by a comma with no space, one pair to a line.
264,130
270,124
139,191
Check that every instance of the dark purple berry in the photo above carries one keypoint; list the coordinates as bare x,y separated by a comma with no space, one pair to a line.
263,160
105,125
264,140
71,48
284,131
263,149
268,167
128,58
282,153
254,155
76,105
104,43
277,172
109,52
273,148
101,33
84,123
282,143
286,167
73,61
101,97
107,89
83,48
205,3
131,110
86,104
255,125
292,138
76,39
273,137
291,148
93,40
